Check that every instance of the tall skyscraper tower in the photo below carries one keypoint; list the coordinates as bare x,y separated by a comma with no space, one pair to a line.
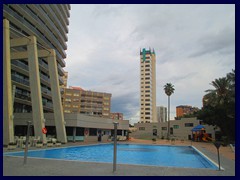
148,86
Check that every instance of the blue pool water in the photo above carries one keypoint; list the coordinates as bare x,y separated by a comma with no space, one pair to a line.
155,155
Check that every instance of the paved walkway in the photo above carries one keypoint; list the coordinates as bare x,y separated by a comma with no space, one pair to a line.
13,166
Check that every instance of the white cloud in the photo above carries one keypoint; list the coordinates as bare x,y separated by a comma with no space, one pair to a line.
194,44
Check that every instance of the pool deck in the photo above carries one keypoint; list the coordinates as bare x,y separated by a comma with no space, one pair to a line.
13,166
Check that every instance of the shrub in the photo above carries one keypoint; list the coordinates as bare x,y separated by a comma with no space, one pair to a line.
39,142
12,143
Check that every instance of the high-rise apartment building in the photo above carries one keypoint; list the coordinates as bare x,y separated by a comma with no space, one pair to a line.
148,86
49,24
78,100
35,37
161,114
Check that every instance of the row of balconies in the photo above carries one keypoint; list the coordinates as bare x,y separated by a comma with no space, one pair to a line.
26,99
27,27
18,65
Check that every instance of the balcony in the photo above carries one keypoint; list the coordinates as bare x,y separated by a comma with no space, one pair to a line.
60,70
61,82
19,80
20,64
43,64
45,78
22,96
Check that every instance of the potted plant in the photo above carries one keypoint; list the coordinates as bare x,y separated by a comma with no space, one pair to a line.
58,143
49,143
39,144
12,145
24,144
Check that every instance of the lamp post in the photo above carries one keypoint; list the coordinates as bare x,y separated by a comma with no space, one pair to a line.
26,143
115,147
217,145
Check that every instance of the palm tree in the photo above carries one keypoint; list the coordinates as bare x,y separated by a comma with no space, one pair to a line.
169,90
220,94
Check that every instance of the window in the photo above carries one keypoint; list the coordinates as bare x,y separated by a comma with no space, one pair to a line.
175,126
92,132
164,128
141,128
75,100
75,94
188,124
68,100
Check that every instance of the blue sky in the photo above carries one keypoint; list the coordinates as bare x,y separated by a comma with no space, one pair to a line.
194,45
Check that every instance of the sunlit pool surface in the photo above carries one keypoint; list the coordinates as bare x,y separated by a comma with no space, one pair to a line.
153,155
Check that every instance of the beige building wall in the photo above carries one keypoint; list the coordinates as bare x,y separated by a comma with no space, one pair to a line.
148,111
181,129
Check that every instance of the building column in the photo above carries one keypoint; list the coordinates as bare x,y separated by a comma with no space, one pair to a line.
74,133
8,131
56,97
35,86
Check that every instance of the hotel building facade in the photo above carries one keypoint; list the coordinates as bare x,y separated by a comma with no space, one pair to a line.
35,39
147,86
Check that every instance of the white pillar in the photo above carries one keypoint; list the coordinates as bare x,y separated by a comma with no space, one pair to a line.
8,131
35,86
74,133
56,97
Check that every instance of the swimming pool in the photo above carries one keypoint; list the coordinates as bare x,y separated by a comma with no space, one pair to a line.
153,155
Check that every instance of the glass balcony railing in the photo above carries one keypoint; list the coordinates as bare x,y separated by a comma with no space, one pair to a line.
22,96
19,80
19,64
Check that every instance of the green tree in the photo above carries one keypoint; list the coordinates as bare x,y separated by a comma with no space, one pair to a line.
219,105
169,90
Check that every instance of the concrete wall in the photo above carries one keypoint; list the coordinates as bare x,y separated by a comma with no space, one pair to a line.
180,131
